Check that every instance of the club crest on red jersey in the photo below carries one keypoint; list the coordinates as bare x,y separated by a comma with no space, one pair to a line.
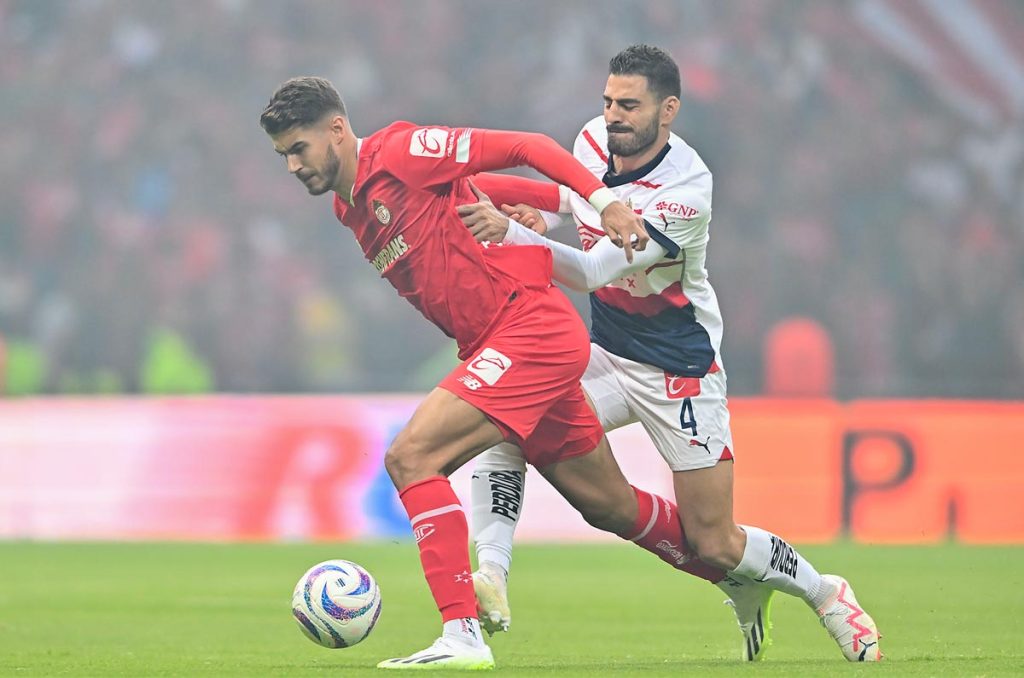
381,211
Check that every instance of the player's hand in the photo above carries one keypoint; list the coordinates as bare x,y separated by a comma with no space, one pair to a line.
624,228
482,218
527,216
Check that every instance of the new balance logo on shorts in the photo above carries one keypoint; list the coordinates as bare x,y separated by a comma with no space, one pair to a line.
472,383
489,365
783,557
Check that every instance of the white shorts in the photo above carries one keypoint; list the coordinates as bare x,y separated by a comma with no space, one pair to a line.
687,418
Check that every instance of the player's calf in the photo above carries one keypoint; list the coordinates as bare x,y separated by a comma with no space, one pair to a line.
658,529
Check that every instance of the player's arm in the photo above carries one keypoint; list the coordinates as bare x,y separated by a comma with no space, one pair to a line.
439,156
535,204
578,270
507,189
590,270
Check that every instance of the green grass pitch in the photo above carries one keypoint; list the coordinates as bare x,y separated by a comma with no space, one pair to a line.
609,610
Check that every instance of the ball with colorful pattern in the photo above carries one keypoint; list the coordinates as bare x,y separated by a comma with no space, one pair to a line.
336,603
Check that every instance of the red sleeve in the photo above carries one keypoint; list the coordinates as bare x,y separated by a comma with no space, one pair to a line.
431,157
507,189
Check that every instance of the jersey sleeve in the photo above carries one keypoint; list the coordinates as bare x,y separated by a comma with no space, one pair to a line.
586,271
508,189
678,219
432,157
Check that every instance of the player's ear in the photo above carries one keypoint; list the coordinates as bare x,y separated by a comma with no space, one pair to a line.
338,128
669,109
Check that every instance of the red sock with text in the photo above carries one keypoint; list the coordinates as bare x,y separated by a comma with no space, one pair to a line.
659,531
442,535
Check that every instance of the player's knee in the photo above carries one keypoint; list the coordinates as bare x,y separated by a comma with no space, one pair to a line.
717,547
403,464
607,518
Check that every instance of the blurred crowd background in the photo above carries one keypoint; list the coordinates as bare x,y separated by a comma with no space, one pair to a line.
868,158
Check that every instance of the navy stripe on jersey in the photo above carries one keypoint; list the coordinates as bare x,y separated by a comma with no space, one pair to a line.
611,179
668,243
672,340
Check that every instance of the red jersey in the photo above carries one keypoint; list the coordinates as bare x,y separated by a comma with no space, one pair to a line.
402,211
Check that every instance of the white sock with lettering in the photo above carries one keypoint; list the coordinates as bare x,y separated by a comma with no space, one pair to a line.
466,630
497,486
769,559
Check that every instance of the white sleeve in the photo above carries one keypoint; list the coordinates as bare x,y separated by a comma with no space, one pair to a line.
587,271
564,196
554,219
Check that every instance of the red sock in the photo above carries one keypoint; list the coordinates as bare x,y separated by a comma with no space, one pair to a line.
659,530
439,525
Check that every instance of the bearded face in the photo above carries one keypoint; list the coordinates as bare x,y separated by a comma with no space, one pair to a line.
626,140
310,156
633,115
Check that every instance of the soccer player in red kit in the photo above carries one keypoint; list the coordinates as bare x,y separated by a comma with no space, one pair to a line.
523,345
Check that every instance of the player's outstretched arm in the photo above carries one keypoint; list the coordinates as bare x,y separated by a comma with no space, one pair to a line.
433,157
535,204
578,270
543,154
591,270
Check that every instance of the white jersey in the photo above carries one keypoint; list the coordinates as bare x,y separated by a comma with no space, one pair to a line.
667,315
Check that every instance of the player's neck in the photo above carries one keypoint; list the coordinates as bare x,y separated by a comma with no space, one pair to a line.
635,162
349,168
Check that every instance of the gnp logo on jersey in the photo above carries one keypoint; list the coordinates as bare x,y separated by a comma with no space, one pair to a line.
685,211
490,365
677,388
428,142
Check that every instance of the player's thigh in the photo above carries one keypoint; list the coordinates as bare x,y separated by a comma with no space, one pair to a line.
594,485
532,361
704,497
444,433
571,451
568,429
605,391
687,418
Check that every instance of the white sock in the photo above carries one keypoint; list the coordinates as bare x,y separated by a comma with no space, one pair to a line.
769,559
466,630
497,486
732,582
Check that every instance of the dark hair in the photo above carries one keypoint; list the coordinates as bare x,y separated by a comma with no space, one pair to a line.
653,63
300,102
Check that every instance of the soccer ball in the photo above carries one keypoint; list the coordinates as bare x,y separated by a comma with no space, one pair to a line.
336,603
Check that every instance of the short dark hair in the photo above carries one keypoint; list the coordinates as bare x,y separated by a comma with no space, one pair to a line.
300,102
653,63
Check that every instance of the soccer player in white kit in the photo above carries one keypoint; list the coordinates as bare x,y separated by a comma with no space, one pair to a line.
656,337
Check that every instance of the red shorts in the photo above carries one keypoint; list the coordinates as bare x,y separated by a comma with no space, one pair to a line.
526,378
